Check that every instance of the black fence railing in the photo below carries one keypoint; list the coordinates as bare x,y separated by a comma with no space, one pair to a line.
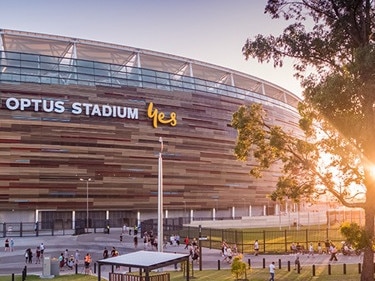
270,241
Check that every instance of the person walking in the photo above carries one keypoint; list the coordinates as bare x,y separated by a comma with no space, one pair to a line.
7,248
272,271
256,247
11,244
87,264
333,251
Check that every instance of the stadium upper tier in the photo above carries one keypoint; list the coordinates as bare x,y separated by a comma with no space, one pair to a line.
28,57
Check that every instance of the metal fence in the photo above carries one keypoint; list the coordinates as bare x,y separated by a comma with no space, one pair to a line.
270,241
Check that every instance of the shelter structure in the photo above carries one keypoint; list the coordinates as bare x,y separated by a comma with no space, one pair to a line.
146,261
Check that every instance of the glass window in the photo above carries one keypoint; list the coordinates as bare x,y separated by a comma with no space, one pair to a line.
11,62
162,81
85,77
176,83
147,72
149,79
48,59
100,65
85,63
102,72
15,56
85,70
30,64
30,57
162,74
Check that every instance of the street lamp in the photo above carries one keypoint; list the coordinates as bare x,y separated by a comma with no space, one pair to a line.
160,197
87,201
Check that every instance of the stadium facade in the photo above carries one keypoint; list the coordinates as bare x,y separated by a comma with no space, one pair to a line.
80,128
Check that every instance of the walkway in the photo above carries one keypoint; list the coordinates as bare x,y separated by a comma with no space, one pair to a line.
94,243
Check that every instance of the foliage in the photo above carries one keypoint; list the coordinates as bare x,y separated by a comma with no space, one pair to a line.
354,234
332,44
238,267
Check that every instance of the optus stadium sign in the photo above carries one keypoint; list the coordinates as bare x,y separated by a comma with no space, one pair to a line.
89,109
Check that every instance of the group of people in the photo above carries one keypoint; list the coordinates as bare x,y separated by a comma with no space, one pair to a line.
228,252
39,252
328,248
9,245
68,260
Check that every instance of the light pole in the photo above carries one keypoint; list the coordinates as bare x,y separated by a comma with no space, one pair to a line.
160,197
87,201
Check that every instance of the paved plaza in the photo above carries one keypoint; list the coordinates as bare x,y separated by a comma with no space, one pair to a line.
94,243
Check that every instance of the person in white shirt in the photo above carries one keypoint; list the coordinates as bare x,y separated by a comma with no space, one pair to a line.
256,248
272,271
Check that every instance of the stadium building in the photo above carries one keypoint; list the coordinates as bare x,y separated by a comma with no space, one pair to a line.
85,125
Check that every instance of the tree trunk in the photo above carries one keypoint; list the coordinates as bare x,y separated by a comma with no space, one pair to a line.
368,258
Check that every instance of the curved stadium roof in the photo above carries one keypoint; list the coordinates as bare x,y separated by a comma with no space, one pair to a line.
165,71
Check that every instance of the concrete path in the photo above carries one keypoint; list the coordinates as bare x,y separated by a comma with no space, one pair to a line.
94,243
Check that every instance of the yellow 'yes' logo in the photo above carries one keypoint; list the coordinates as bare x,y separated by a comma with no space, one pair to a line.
159,117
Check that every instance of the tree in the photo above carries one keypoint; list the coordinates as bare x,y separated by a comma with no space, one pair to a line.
354,235
238,268
336,154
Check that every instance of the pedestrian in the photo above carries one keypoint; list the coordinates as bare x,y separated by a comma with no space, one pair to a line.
187,242
88,264
76,257
6,245
333,251
105,253
37,254
297,264
272,271
256,247
26,255
11,244
30,255
41,250
311,250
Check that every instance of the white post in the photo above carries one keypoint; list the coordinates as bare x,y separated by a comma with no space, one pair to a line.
213,214
73,219
250,211
160,198
191,215
87,201
233,212
138,218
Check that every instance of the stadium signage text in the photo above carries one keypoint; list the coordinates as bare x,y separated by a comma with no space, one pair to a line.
77,108
89,109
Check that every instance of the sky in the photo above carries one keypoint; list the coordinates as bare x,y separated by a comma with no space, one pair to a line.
212,31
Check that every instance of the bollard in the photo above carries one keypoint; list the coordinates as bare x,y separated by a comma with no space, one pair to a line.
23,275
264,263
359,268
94,268
76,268
218,264
313,270
344,268
249,263
129,269
298,268
12,276
288,265
329,269
279,263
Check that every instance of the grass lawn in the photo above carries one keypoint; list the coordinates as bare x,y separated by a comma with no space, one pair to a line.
225,275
